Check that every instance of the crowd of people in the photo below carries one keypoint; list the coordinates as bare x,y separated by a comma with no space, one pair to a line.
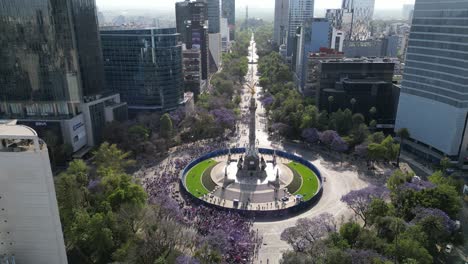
232,231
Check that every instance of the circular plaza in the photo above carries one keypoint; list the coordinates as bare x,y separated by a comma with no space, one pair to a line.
281,182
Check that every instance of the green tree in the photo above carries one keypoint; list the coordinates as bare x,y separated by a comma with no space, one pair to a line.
350,231
166,126
111,157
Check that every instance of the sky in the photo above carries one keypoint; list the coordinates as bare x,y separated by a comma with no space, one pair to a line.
169,4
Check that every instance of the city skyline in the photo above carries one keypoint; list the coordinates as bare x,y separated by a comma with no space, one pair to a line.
267,4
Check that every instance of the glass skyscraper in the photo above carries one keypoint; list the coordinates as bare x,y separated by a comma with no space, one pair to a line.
145,67
51,68
299,11
214,16
228,9
434,94
50,57
356,18
281,21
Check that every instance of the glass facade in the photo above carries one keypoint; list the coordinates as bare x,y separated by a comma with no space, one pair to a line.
299,11
145,67
42,44
281,21
357,17
434,93
229,11
437,57
214,16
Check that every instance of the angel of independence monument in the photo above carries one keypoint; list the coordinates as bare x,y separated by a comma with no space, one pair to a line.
252,165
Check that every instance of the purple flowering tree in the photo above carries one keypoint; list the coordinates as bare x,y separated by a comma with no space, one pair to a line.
224,117
177,116
359,200
435,223
339,145
310,135
280,128
308,230
417,184
267,100
327,137
361,150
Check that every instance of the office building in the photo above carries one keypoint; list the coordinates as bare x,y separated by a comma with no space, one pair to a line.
313,35
281,21
51,63
369,81
299,11
30,229
337,40
192,24
312,74
225,35
145,67
407,11
214,16
434,93
384,47
357,15
192,70
228,8
335,16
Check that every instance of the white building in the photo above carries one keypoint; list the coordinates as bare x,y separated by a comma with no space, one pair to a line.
30,229
337,40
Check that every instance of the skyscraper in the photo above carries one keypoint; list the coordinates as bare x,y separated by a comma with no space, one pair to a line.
434,94
145,67
299,11
281,21
229,11
192,24
214,16
357,15
51,62
30,229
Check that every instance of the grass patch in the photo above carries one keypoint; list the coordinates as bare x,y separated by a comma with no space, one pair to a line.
193,179
296,183
310,183
206,178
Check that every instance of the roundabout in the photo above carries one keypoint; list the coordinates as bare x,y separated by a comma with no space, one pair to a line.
286,183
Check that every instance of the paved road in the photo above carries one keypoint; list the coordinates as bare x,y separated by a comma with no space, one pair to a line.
340,180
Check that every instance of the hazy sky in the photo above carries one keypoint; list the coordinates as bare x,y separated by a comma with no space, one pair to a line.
169,4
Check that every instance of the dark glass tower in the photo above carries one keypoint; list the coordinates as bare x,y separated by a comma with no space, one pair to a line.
191,20
50,57
214,16
145,67
228,8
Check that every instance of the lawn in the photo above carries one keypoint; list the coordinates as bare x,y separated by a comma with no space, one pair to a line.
310,183
193,180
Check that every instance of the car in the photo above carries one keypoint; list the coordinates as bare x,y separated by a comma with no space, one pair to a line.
448,249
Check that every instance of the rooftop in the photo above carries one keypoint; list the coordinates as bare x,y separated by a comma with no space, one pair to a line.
10,128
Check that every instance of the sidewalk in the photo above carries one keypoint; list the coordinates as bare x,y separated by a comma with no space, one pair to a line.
413,162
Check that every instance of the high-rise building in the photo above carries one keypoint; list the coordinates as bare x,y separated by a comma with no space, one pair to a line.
281,21
30,229
312,75
299,11
337,40
313,35
145,67
192,70
229,11
335,16
357,16
407,11
51,62
192,24
434,93
214,16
